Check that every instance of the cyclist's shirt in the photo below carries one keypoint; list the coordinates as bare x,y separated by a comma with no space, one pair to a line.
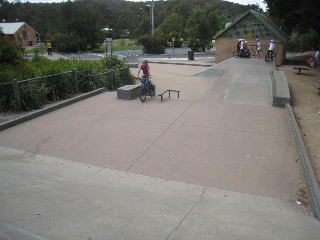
145,69
272,46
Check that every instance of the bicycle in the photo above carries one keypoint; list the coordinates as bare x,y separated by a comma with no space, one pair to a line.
147,88
236,54
269,57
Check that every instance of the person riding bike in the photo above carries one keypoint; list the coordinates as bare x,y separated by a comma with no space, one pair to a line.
147,87
145,72
271,49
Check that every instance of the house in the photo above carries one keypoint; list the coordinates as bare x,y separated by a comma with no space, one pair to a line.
250,26
20,32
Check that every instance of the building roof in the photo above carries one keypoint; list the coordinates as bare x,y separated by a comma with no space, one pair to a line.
266,28
12,28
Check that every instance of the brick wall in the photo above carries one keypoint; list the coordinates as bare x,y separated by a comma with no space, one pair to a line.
26,36
225,48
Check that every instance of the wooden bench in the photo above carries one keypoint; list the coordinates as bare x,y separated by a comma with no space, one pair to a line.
317,86
169,91
301,68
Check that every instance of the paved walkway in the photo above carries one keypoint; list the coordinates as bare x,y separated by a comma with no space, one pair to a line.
217,163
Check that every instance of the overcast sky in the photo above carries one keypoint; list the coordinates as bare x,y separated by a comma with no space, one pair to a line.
261,4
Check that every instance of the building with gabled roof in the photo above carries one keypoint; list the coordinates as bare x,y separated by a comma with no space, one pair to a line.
20,32
250,26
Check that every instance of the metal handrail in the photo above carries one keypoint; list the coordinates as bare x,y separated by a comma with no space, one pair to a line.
45,76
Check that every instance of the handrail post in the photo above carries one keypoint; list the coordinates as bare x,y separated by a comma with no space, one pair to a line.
75,79
90,81
112,77
16,93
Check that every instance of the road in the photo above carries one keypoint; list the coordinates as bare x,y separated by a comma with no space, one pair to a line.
181,53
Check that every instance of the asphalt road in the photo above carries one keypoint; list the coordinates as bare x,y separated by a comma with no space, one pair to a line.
177,53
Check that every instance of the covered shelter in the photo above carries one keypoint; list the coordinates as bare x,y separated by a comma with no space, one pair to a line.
20,32
250,26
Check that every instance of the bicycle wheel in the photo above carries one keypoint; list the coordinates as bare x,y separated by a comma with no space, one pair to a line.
266,57
143,94
151,90
235,54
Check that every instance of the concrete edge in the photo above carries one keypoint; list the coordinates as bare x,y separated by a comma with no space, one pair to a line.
305,163
182,63
27,117
280,89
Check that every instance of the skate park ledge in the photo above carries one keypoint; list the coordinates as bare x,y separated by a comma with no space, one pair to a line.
128,92
280,89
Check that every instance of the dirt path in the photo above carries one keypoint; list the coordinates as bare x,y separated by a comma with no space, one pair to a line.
306,106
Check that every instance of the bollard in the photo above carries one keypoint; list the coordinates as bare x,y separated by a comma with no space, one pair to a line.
169,55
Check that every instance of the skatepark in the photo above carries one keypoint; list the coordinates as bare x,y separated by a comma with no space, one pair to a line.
219,162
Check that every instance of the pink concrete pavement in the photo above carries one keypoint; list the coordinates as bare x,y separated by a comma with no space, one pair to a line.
197,139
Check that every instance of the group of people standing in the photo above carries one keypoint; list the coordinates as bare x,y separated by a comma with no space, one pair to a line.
242,49
244,52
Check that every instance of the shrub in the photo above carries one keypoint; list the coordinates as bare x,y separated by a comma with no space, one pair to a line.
304,42
152,45
9,51
68,42
53,80
194,44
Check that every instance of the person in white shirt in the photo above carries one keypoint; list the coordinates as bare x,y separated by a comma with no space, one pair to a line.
258,48
317,57
241,47
271,49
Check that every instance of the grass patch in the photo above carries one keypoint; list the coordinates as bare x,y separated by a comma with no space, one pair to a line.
120,45
298,119
36,50
122,48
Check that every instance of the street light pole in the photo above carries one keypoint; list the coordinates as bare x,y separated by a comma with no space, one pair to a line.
152,19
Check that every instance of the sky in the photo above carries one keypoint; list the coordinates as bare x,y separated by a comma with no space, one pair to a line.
245,2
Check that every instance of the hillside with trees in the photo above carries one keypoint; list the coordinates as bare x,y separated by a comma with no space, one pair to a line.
76,25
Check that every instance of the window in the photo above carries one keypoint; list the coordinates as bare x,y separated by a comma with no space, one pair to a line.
24,34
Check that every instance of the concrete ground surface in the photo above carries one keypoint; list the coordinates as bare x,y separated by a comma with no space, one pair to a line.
217,163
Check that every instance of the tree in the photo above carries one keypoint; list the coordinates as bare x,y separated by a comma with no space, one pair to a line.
9,52
202,25
171,27
81,20
152,44
295,15
298,18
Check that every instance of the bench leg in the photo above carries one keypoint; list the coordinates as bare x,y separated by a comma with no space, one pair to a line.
169,93
299,71
178,94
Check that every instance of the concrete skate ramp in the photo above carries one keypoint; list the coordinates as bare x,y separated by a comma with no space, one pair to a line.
187,168
210,73
43,198
249,89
